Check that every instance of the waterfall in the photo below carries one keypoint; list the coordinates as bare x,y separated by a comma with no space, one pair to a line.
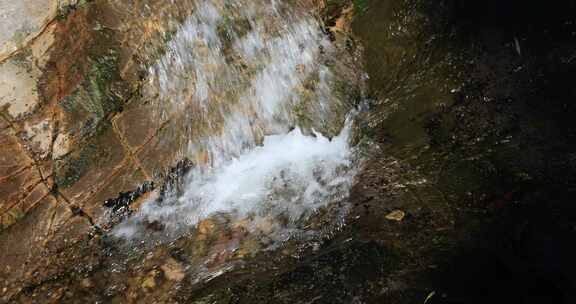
252,87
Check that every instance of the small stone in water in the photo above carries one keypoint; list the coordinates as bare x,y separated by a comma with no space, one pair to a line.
86,283
149,283
173,270
396,215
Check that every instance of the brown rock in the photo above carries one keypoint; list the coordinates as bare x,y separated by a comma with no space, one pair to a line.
127,178
136,125
87,283
82,173
149,282
23,244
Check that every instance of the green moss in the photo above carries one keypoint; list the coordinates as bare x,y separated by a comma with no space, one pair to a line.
361,6
96,97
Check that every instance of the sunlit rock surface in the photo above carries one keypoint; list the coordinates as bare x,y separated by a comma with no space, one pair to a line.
86,120
67,70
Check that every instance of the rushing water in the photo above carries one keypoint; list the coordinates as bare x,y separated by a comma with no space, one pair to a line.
253,93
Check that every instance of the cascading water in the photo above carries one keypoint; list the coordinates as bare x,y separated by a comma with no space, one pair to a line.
250,82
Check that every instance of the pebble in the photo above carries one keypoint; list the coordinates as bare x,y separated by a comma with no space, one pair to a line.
396,215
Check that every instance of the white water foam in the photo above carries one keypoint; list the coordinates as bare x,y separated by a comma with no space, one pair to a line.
256,166
290,175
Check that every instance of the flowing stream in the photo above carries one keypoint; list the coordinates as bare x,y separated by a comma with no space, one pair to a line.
251,85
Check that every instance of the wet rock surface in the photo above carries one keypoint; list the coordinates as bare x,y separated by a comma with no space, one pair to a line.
465,196
478,122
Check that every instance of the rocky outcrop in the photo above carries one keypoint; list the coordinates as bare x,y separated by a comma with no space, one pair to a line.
76,132
72,133
69,118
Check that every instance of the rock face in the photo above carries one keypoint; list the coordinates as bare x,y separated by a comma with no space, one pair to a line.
68,75
470,129
75,132
72,135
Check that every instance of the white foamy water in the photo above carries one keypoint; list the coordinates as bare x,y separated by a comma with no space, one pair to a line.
242,86
290,175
